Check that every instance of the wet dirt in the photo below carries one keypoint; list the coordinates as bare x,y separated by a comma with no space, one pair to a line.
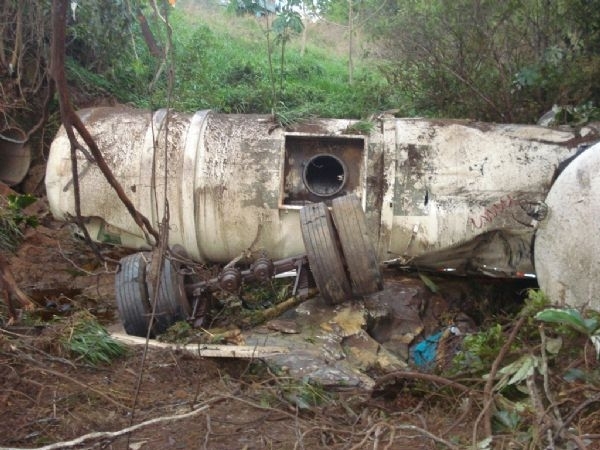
317,397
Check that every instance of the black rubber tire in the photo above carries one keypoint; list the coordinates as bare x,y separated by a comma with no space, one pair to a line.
351,226
132,296
324,255
172,301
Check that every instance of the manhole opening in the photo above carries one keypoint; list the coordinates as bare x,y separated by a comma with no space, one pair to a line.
324,175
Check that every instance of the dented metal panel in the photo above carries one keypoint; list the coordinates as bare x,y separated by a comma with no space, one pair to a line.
235,183
454,181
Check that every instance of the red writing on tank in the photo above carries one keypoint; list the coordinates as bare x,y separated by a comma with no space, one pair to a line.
493,211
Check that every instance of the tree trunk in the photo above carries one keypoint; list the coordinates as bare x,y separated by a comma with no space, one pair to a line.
350,42
5,13
72,121
154,48
304,33
14,60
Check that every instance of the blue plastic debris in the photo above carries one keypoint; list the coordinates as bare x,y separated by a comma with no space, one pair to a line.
423,354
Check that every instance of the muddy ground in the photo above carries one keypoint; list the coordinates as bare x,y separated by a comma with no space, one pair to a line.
50,399
46,397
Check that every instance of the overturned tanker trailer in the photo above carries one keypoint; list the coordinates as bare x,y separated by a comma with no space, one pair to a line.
457,196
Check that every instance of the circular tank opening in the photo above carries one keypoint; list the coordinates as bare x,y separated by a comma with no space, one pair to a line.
324,175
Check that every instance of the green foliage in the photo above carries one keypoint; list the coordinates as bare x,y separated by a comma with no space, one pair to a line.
18,202
88,341
286,117
262,295
12,218
100,33
535,301
179,332
10,233
518,371
93,83
575,115
300,394
545,356
479,350
303,395
511,63
230,69
496,61
571,318
339,10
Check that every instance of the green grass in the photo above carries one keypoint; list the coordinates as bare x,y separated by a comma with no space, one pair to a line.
88,341
13,219
221,63
10,233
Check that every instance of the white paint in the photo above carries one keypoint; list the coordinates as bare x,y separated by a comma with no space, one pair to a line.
567,244
444,182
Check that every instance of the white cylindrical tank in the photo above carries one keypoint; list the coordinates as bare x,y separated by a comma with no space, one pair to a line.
567,244
235,183
223,181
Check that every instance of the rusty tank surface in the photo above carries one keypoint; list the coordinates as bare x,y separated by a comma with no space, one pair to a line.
459,196
238,181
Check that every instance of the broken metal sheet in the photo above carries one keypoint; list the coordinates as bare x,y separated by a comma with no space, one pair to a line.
498,253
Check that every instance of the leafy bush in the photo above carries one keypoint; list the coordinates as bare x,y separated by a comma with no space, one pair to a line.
479,350
226,68
496,61
12,218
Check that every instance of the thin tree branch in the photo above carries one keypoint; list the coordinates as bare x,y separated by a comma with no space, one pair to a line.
71,119
488,394
114,434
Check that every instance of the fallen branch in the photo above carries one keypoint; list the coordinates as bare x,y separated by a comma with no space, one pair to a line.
393,376
206,350
575,412
9,288
278,309
113,434
426,433
488,394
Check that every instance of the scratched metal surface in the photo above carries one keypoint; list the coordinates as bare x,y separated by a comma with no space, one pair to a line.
425,185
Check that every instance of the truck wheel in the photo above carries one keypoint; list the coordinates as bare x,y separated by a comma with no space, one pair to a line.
324,256
132,296
172,304
351,225
172,291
